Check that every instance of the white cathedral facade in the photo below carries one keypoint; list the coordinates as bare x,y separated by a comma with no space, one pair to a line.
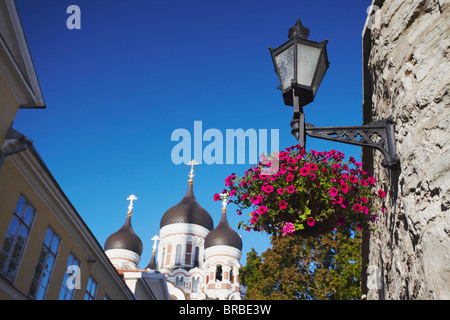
194,260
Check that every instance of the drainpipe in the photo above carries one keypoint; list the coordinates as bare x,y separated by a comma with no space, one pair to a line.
13,134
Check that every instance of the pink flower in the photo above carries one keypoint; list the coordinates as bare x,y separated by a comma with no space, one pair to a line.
268,189
312,176
290,177
353,179
282,204
292,161
239,212
344,187
304,171
288,228
333,192
359,226
281,191
364,200
256,199
290,189
311,221
232,193
313,167
254,219
371,180
261,210
381,193
365,209
216,197
357,207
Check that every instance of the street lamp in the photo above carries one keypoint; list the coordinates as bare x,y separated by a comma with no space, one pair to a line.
300,65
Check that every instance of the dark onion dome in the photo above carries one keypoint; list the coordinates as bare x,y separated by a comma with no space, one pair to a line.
125,238
188,210
223,235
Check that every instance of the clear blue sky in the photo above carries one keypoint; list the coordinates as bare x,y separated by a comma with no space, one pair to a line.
140,69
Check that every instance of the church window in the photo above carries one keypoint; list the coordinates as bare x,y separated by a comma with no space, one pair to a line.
219,273
231,275
196,285
179,282
44,266
188,253
91,289
68,286
16,238
178,255
197,257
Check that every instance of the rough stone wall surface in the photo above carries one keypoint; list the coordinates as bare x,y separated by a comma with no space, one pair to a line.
409,71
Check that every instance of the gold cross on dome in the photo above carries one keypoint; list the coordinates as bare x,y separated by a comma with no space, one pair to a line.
192,163
131,198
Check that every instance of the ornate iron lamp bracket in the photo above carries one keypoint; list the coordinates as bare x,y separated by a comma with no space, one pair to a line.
378,135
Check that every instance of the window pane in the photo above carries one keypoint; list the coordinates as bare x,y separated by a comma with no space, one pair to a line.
22,235
19,206
13,225
28,217
48,237
55,244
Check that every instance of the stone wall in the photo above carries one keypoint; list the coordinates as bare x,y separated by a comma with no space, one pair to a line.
407,75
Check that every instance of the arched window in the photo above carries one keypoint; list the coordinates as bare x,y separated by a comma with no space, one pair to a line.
219,273
179,282
195,285
178,255
231,275
197,257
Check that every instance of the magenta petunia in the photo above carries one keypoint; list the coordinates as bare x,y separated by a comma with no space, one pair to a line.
283,204
268,189
290,177
381,193
311,221
261,210
281,191
344,187
216,197
290,189
357,207
353,179
304,171
313,167
254,219
333,192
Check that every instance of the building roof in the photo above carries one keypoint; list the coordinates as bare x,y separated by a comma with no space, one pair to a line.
223,235
188,210
125,238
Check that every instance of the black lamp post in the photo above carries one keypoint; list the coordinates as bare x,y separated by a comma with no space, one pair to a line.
301,65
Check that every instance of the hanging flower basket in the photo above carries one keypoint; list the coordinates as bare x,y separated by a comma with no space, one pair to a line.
305,194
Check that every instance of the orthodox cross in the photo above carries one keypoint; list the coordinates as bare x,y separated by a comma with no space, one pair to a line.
224,196
131,198
155,239
192,163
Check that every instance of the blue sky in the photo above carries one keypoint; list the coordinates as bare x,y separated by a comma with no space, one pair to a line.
137,70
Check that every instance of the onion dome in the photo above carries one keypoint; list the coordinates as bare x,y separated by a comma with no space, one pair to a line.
223,235
125,238
188,210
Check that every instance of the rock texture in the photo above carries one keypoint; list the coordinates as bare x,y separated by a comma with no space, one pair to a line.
407,75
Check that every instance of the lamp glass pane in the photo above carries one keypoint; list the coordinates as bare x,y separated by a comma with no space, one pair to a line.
285,66
307,58
321,69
